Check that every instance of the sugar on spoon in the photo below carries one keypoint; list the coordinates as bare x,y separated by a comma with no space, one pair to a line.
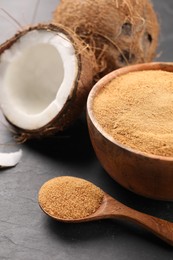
71,199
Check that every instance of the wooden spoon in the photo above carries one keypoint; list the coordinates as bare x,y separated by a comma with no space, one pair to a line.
111,208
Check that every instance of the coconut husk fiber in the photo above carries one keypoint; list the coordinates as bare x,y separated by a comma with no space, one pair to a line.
120,32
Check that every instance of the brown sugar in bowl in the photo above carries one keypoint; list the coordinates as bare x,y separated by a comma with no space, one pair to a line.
142,172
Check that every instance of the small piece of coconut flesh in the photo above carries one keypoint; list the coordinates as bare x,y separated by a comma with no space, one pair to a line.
10,159
37,74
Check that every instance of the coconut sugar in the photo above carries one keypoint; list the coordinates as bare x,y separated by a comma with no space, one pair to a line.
70,197
136,109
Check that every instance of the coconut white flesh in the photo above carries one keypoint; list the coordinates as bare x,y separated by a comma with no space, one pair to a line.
37,75
10,159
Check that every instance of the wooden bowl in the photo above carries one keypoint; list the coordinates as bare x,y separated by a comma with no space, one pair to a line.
145,174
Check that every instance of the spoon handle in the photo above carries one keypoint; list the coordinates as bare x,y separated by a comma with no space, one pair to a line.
159,227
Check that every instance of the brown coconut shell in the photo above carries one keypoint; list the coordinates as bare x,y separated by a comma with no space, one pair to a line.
77,98
120,32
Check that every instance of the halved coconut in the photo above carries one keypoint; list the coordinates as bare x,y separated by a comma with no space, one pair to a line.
45,77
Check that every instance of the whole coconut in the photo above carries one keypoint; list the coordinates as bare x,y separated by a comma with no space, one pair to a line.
120,32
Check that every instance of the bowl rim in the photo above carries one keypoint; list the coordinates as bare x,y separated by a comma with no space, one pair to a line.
165,66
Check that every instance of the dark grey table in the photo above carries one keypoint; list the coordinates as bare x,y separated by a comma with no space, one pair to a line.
25,232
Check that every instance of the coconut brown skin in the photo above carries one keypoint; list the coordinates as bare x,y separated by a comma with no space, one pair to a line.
121,32
81,87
